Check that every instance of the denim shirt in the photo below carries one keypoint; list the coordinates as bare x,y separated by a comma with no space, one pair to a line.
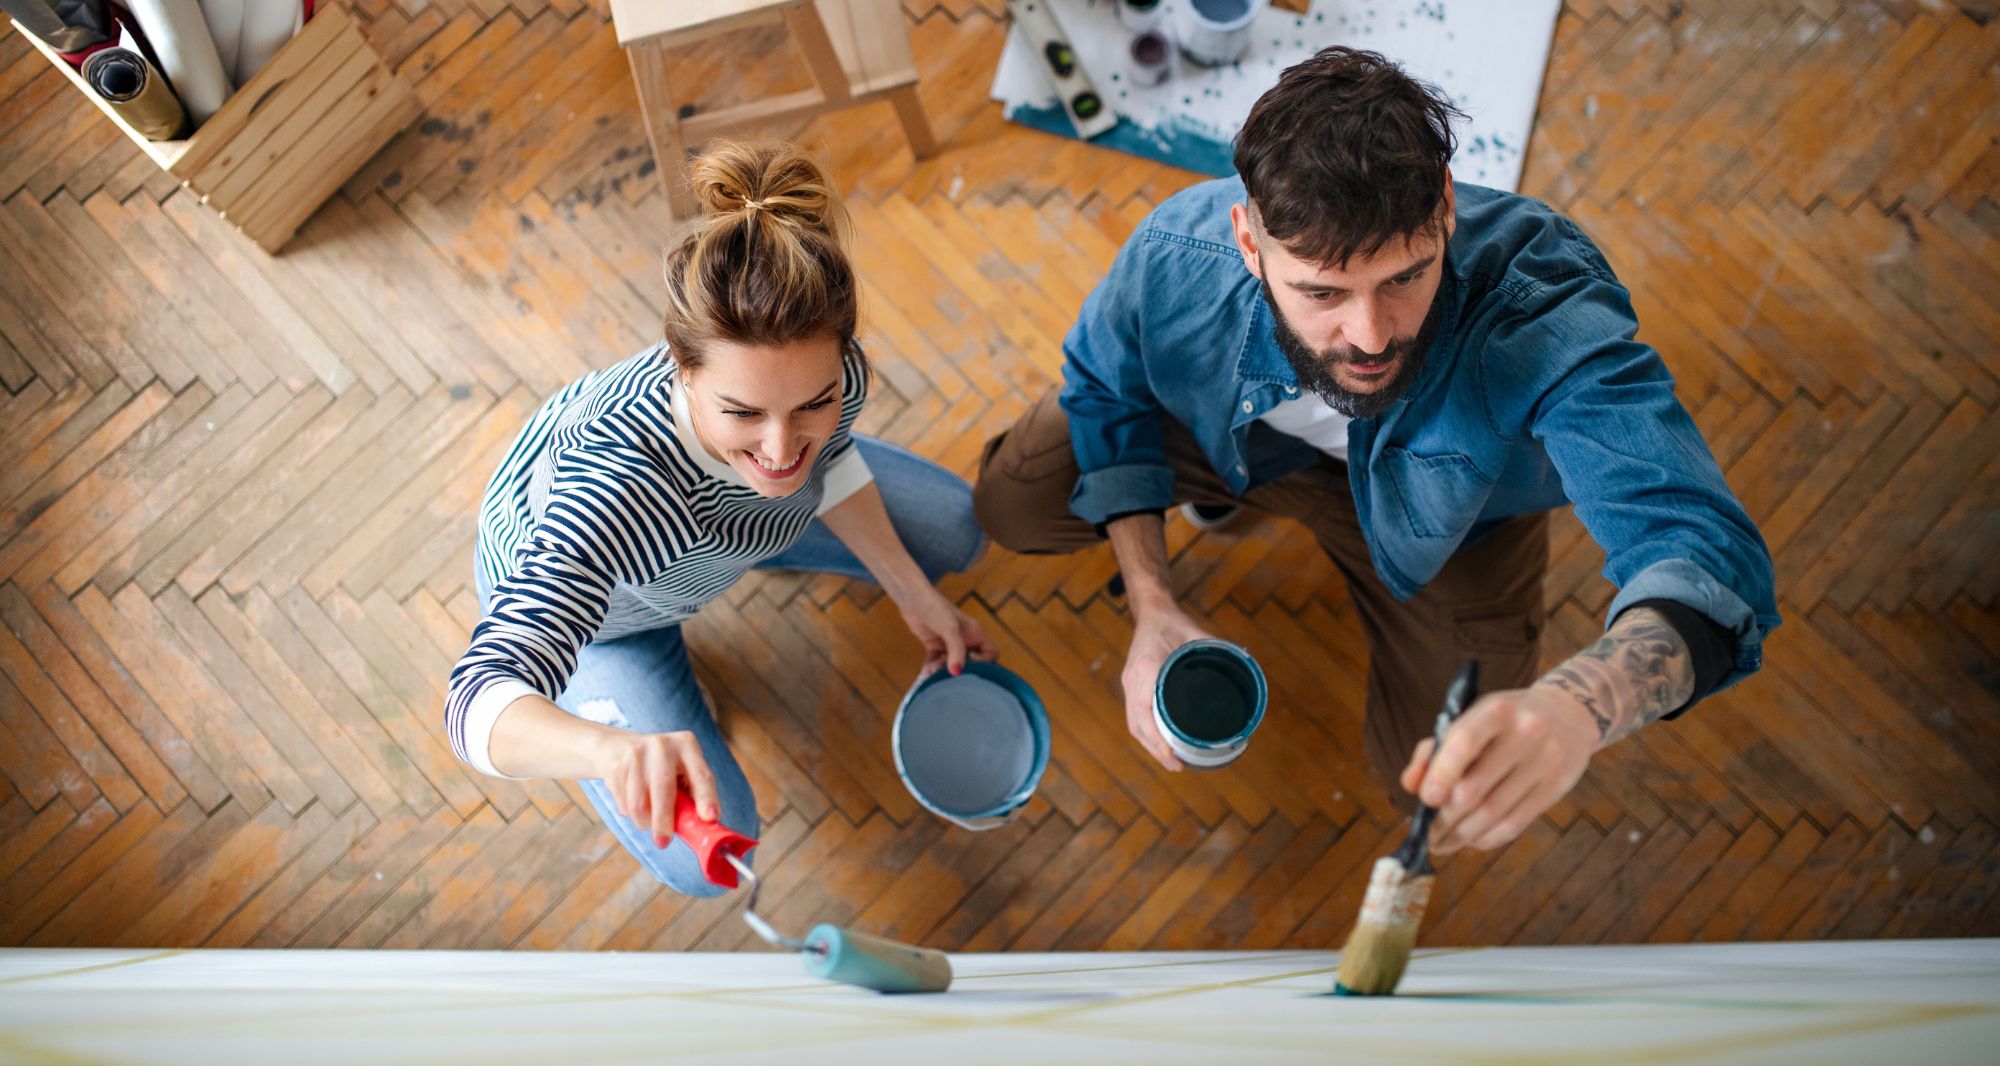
1534,394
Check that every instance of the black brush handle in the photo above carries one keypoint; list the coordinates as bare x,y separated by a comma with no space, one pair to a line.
1415,854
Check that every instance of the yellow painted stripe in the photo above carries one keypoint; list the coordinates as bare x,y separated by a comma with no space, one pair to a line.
154,957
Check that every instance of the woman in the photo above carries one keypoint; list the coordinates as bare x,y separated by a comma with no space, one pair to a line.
640,492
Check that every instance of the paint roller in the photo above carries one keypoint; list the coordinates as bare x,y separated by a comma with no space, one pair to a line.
830,951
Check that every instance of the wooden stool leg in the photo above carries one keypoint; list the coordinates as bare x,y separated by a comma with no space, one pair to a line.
916,127
663,125
821,59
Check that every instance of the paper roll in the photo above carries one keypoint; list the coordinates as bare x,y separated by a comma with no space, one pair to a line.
180,39
136,91
248,33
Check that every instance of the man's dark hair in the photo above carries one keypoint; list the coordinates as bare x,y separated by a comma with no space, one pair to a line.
1345,154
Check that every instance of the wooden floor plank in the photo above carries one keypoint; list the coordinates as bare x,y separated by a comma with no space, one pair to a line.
141,876
61,718
32,900
180,498
298,876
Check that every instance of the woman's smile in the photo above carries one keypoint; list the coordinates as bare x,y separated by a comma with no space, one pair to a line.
774,472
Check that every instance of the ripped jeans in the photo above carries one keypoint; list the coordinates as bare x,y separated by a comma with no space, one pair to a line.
644,682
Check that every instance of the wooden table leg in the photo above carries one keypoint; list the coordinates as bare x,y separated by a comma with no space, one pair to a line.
663,125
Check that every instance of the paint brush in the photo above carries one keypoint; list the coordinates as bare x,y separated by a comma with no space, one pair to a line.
1378,950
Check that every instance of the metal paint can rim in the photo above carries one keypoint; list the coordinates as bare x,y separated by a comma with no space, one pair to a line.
1038,729
1194,750
1213,42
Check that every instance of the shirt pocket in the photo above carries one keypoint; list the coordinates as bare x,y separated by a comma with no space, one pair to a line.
1439,496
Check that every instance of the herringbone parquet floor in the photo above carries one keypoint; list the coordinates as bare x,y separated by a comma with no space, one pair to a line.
236,499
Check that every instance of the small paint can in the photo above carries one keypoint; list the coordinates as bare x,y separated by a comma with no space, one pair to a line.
1140,15
1209,698
1215,32
1152,58
971,748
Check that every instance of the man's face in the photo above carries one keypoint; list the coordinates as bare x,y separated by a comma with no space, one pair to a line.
1355,334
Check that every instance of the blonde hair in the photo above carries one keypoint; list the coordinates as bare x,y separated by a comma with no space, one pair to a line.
765,264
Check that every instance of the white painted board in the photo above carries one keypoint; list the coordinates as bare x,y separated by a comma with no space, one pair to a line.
1934,1001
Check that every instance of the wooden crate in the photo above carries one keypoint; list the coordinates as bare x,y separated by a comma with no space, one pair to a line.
288,138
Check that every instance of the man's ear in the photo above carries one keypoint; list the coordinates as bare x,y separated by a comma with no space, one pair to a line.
1246,238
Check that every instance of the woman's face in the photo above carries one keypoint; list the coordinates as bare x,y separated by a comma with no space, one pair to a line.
767,411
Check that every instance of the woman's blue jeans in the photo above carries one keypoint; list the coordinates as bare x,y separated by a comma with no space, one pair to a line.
644,682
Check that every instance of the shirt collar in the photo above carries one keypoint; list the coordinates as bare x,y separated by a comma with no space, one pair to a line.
1260,361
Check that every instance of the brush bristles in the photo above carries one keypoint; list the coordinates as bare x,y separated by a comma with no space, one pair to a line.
1378,950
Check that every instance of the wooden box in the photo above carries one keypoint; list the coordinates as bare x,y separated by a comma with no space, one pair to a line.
291,136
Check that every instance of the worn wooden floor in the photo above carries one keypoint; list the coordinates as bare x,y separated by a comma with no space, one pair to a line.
236,500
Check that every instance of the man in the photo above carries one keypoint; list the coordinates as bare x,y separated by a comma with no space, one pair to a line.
1417,371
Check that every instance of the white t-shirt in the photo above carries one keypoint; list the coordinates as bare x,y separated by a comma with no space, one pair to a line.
1310,419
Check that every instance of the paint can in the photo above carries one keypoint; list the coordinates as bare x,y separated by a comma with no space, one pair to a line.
1140,15
1209,698
1215,32
1152,58
972,748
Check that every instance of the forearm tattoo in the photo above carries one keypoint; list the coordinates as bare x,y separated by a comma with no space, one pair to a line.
1639,670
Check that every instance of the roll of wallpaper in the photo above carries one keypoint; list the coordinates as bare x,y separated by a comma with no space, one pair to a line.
136,91
180,39
248,33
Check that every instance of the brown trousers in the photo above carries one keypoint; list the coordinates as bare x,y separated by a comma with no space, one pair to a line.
1485,604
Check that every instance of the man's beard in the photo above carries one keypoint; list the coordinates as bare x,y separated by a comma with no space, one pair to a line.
1315,368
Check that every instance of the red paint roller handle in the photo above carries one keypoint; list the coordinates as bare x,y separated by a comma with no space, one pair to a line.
712,842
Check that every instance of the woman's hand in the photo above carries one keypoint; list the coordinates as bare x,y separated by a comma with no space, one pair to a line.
643,772
948,636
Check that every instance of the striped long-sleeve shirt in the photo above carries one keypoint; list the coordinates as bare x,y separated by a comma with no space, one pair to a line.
607,518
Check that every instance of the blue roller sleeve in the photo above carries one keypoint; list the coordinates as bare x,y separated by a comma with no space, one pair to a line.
853,958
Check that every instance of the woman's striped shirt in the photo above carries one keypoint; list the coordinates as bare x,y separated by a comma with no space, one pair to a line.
607,518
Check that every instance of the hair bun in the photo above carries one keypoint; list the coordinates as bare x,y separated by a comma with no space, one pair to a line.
770,178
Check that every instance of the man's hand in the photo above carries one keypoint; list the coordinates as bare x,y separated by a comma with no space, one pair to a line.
1516,753
1511,757
1153,639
